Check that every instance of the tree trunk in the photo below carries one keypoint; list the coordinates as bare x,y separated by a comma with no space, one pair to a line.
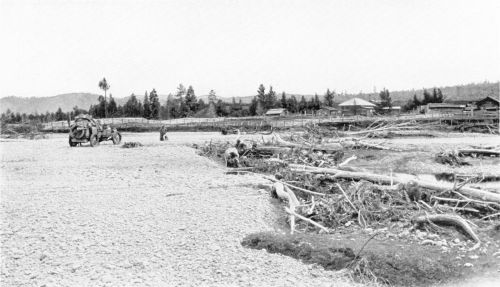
384,179
105,106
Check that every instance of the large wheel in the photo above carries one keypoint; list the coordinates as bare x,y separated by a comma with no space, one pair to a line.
72,144
117,138
93,140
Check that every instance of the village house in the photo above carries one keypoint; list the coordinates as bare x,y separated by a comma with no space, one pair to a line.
357,106
276,112
395,110
487,104
328,111
442,108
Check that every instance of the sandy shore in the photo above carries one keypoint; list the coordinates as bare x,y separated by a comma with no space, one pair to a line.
158,215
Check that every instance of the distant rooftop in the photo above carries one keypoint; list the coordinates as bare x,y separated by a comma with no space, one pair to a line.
272,112
356,102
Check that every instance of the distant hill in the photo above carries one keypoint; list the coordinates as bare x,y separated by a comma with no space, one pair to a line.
459,94
455,94
51,104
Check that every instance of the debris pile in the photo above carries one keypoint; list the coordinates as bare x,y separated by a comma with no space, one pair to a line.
131,144
309,172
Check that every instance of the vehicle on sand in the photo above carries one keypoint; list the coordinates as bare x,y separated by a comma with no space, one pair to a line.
86,129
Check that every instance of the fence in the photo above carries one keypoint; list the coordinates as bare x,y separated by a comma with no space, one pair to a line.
276,122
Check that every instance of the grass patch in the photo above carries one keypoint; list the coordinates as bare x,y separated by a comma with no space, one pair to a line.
387,262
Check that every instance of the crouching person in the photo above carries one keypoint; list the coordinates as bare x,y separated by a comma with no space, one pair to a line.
163,133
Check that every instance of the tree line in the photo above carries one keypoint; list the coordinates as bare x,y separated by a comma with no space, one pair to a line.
435,97
184,103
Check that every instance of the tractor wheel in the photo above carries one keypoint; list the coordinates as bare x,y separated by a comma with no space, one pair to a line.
117,138
72,144
93,140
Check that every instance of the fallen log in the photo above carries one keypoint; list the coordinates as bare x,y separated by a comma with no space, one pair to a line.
486,152
384,179
449,220
271,149
291,212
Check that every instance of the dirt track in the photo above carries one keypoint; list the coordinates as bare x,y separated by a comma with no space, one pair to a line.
155,215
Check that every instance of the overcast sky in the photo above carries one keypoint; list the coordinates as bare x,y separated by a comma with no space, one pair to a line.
54,47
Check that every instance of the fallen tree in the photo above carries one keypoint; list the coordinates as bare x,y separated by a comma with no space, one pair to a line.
384,179
485,152
449,219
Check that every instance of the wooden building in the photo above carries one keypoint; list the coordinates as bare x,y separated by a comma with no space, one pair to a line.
276,112
487,104
328,111
442,108
357,106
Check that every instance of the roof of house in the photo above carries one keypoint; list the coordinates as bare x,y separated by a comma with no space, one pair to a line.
488,98
356,102
392,108
444,106
275,112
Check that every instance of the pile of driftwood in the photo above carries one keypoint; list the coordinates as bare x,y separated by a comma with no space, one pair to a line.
309,172
455,157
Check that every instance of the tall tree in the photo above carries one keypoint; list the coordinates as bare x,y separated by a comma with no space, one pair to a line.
111,108
261,94
133,107
154,102
270,99
253,106
292,104
317,102
427,98
329,96
191,101
437,96
60,116
146,112
283,101
103,84
212,97
302,104
385,99
100,109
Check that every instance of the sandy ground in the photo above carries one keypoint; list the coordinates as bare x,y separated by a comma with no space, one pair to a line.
157,215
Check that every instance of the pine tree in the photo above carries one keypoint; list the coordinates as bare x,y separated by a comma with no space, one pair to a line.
329,96
292,104
212,97
112,108
385,99
270,99
302,104
59,115
180,104
253,106
103,84
132,107
191,101
146,112
154,102
261,94
439,96
283,102
317,102
101,107
427,98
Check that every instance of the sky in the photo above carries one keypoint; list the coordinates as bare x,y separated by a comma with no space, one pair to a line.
303,47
